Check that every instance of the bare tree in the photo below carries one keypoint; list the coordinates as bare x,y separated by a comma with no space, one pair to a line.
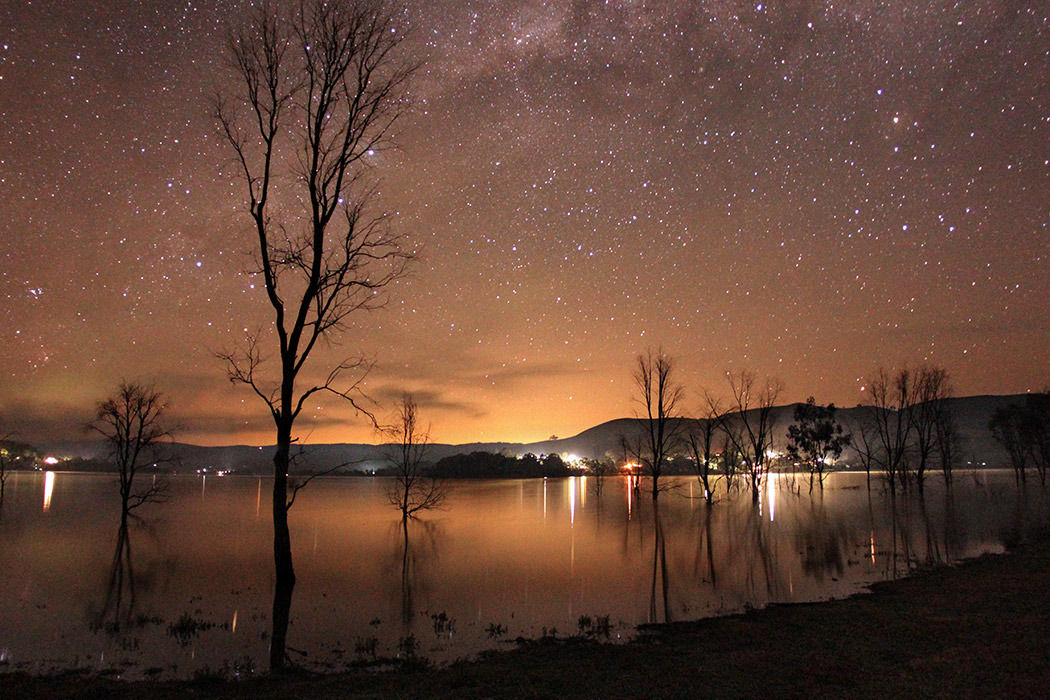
320,88
1036,431
750,430
731,461
701,439
598,469
412,489
890,399
1024,432
932,389
660,395
132,422
863,438
947,437
1007,427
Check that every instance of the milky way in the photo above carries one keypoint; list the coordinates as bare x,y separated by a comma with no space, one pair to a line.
807,189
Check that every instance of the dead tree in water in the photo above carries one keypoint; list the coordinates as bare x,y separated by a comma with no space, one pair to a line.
701,440
132,422
412,489
750,430
660,396
319,91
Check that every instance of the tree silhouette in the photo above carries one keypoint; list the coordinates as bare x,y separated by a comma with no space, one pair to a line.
660,395
1024,432
412,489
750,430
132,422
929,411
13,455
815,439
701,439
889,431
319,92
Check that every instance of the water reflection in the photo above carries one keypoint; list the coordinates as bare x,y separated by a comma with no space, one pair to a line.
49,488
660,584
506,559
118,607
415,549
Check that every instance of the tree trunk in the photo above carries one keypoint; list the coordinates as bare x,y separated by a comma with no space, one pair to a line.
282,554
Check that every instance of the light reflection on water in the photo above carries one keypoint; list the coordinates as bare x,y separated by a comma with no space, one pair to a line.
508,558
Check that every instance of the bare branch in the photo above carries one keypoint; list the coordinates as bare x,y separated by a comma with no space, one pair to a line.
320,90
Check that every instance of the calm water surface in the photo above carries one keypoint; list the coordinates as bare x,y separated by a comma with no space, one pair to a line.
190,589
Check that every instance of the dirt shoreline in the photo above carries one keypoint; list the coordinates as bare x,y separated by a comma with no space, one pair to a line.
977,630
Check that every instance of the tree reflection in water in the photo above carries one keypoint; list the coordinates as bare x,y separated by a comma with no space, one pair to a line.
821,541
659,570
705,549
118,608
920,537
415,547
517,558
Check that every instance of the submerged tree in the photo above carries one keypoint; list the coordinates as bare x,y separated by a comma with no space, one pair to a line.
702,444
815,440
947,438
413,489
928,412
890,398
1036,431
319,91
750,430
660,395
1006,428
1024,432
132,422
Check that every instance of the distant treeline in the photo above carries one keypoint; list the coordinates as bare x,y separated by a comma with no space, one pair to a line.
494,465
479,465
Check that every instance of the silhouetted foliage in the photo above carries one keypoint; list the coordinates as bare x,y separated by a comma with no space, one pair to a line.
133,423
1024,432
815,441
319,92
947,438
1036,431
14,455
493,465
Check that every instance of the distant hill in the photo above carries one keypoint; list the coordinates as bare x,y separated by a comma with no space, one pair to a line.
972,415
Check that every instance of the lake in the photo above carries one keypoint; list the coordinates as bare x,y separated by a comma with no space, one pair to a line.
189,590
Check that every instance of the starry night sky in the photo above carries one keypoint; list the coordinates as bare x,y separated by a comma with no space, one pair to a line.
807,189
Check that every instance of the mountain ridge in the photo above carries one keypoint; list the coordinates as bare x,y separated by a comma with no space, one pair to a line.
972,415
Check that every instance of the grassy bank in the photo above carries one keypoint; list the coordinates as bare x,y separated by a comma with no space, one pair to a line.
981,629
